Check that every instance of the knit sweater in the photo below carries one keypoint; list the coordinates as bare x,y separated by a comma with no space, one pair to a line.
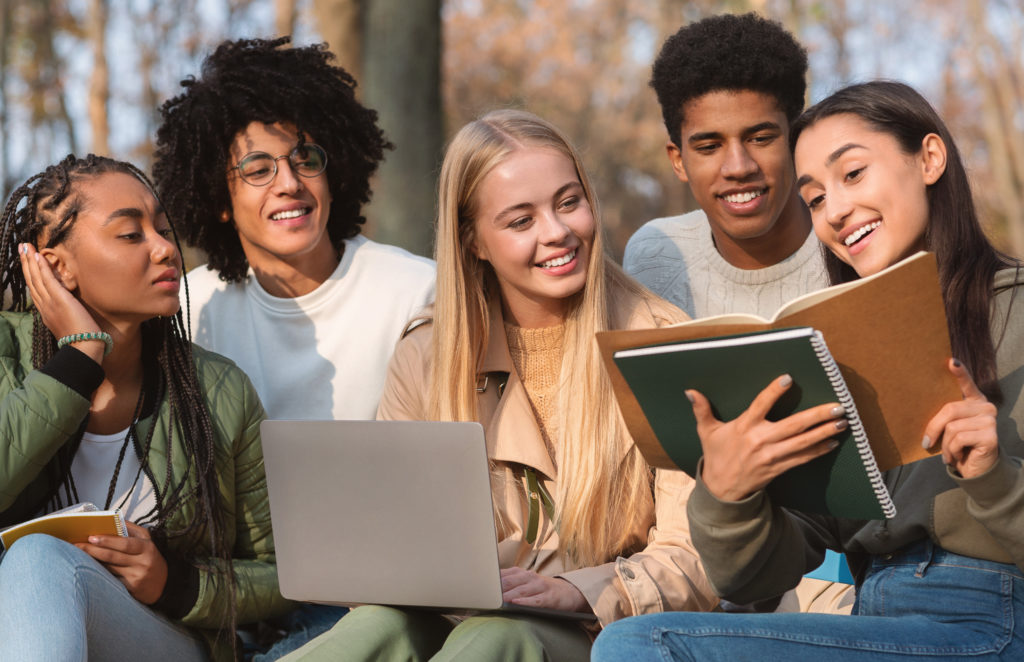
537,357
676,258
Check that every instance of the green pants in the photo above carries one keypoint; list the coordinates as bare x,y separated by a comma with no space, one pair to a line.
406,635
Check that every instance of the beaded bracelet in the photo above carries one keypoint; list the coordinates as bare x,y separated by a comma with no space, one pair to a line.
79,337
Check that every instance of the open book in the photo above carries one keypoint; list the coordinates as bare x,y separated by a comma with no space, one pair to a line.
887,334
73,524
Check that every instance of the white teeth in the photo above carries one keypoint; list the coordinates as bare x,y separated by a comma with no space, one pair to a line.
860,232
293,213
558,261
739,198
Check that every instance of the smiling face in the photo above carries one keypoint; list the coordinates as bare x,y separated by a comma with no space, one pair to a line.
534,225
867,196
282,224
735,157
119,259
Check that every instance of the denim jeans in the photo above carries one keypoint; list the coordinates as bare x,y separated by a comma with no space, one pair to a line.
58,603
300,627
922,604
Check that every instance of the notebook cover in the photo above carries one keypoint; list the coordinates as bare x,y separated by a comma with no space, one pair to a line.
730,377
72,527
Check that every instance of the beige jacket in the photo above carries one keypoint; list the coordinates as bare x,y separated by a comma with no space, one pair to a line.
665,575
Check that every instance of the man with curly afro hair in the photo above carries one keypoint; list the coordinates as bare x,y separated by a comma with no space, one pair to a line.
729,86
264,163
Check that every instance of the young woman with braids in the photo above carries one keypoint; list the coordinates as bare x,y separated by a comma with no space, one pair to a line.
103,399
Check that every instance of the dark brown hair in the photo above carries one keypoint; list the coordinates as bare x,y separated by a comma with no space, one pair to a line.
967,261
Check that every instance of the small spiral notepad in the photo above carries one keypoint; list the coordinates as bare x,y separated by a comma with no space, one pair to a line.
72,524
730,371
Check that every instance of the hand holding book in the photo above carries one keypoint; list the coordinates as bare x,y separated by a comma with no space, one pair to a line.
965,428
127,550
885,362
134,560
743,455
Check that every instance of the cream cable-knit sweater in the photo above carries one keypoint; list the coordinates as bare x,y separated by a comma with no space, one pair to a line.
676,258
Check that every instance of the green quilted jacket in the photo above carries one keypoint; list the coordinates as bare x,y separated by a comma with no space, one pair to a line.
40,410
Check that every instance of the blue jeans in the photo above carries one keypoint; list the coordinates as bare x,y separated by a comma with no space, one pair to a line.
300,627
58,603
922,604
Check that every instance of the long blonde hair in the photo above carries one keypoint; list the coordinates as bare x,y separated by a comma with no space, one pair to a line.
599,499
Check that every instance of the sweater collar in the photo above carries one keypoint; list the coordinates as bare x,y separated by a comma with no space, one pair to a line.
512,433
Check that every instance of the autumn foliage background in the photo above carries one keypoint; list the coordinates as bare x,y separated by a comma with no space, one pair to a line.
88,75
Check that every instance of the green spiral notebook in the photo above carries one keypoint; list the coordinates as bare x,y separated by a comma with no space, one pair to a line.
730,371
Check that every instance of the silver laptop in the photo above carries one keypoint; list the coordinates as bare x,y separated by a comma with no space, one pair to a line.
385,512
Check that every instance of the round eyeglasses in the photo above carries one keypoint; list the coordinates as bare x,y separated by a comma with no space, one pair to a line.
260,168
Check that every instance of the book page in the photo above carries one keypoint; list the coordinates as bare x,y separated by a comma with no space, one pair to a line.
731,318
813,298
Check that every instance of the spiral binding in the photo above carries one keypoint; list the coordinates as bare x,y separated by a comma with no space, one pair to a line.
860,437
122,530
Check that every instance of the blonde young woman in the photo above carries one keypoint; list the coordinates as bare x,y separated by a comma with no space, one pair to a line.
523,284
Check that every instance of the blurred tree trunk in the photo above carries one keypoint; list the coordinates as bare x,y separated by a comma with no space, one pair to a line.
393,50
5,34
402,72
340,23
284,17
99,81
41,69
838,26
1002,97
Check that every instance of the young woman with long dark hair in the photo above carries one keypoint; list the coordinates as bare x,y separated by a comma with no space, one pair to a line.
944,579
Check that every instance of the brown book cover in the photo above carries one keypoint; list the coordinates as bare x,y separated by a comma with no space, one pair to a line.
887,333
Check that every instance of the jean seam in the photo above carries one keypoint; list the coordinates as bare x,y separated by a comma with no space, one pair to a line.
857,645
657,639
1008,614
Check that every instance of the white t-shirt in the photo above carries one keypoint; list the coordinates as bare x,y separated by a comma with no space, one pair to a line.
322,355
676,258
93,467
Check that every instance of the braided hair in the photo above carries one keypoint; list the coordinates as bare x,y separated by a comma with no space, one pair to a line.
47,206
259,80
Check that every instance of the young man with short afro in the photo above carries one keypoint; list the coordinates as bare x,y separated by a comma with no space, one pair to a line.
728,87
